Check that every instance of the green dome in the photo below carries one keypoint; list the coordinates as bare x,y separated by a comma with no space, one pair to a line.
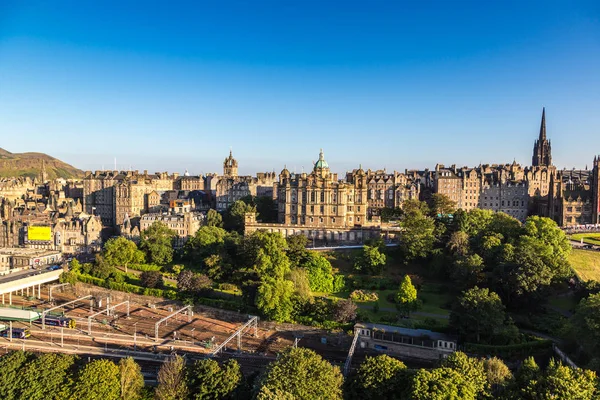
321,163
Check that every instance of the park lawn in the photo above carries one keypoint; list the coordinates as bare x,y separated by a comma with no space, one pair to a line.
586,264
589,238
564,303
435,299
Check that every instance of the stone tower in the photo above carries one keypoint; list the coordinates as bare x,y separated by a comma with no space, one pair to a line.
230,166
43,172
542,149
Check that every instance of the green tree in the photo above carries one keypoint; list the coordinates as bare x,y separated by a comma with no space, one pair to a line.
47,377
440,204
11,366
157,242
296,248
301,374
440,384
265,254
98,380
370,260
563,382
234,217
458,244
406,296
471,369
377,378
468,271
209,380
120,252
266,208
299,278
274,299
132,380
320,272
214,219
478,315
172,380
188,281
586,324
417,238
101,269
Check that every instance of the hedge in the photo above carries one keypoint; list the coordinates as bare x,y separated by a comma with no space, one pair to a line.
145,267
508,350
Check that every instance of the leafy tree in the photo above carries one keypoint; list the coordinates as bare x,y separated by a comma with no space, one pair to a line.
172,380
98,380
440,204
157,242
11,365
152,279
266,208
478,314
207,240
440,384
214,219
458,244
121,252
234,217
301,374
417,236
563,382
474,221
471,369
132,380
468,271
209,380
274,299
377,378
370,260
101,269
188,281
299,278
497,372
47,377
320,272
344,311
264,253
406,296
586,324
390,214
296,248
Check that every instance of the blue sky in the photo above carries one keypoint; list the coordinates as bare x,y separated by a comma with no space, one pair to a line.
386,84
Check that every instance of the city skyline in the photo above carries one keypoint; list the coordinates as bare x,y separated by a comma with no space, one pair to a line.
392,85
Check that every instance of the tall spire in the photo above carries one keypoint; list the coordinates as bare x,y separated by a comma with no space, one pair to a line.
543,126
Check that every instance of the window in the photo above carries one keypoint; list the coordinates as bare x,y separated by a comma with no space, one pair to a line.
322,209
322,197
312,209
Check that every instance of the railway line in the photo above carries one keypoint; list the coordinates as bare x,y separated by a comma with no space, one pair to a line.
119,335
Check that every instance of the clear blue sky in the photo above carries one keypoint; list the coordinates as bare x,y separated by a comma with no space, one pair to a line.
174,85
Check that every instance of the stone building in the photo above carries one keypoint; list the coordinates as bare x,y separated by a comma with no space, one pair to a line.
17,259
180,219
388,190
320,206
231,187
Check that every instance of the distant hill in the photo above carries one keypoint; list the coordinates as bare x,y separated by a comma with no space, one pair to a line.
30,164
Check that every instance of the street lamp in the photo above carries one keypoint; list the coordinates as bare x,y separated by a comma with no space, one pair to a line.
134,336
193,329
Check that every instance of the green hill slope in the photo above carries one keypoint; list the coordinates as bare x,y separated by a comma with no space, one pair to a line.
30,164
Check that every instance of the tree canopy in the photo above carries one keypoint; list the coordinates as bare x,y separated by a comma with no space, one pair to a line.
301,374
157,242
121,252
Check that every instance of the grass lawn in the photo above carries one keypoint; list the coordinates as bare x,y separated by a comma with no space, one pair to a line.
565,303
589,238
586,264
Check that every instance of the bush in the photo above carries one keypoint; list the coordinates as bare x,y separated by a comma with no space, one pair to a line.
339,283
145,267
229,287
363,295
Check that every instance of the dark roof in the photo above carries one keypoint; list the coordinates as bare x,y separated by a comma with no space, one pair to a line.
406,331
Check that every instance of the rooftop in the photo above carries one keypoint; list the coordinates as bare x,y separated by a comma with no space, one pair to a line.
416,333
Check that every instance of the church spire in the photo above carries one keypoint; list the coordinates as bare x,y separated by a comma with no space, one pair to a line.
543,126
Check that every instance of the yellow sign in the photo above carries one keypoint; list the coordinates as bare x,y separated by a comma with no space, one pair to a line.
41,233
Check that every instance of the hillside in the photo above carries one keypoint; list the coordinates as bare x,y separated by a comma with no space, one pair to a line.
30,164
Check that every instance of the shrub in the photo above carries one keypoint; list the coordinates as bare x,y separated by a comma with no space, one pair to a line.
339,283
145,267
363,295
229,287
